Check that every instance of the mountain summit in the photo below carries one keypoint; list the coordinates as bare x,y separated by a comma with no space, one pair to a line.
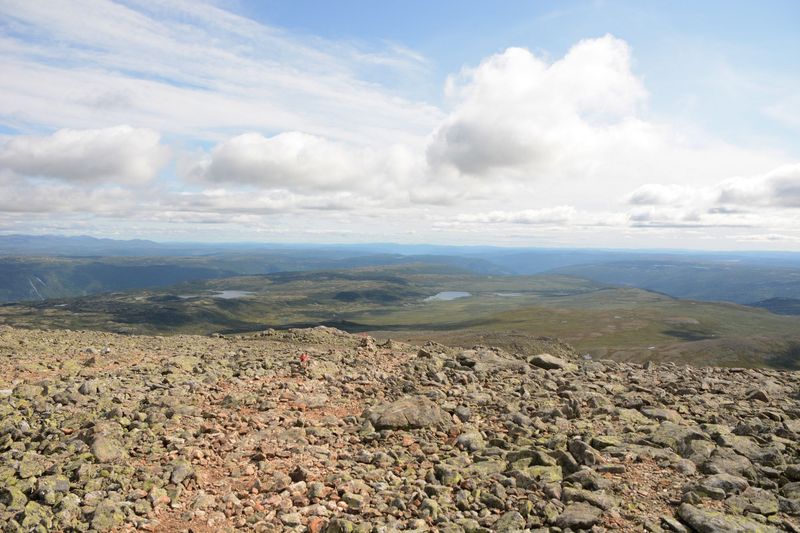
319,430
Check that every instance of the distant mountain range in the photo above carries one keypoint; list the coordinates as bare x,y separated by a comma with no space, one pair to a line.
50,266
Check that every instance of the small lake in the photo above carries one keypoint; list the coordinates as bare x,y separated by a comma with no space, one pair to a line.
224,295
447,296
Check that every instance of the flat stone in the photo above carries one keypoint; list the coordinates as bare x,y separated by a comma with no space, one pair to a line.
595,498
484,468
579,516
673,525
708,521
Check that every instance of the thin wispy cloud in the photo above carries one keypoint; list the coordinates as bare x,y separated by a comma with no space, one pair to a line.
192,69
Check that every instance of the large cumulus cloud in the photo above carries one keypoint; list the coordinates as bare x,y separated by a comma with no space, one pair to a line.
516,113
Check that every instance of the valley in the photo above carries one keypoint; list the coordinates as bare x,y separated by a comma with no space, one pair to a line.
405,302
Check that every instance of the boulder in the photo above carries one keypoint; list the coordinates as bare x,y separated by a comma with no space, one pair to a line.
708,521
551,362
579,516
688,442
413,412
107,449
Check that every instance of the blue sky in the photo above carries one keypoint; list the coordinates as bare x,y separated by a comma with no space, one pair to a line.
688,53
594,123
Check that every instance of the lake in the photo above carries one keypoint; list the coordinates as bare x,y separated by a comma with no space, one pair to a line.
447,295
225,295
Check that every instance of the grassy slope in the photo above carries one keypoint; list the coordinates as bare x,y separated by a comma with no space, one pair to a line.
710,280
622,323
629,324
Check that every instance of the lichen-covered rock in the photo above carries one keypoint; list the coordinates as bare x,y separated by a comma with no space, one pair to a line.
36,517
753,500
107,449
509,522
13,498
31,465
579,516
688,442
710,521
107,515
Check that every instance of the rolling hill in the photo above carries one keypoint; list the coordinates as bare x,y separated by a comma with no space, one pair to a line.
439,302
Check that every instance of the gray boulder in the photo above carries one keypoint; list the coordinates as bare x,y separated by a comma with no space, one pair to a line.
413,412
579,516
708,521
550,362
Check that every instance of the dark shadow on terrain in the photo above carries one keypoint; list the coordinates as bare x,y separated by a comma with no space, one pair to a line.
288,277
689,335
374,295
789,359
356,327
779,306
164,299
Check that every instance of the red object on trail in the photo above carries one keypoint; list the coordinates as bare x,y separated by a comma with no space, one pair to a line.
304,358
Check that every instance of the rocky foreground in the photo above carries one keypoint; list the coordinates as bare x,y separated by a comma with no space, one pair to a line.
105,432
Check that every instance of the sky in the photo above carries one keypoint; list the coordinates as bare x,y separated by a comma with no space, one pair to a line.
615,124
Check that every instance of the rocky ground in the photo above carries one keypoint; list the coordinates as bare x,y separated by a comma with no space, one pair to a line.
106,432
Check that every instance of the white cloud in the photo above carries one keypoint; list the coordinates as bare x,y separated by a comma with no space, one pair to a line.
292,159
301,162
573,131
658,194
760,201
778,188
769,238
549,215
664,216
120,154
295,124
55,198
196,70
516,113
